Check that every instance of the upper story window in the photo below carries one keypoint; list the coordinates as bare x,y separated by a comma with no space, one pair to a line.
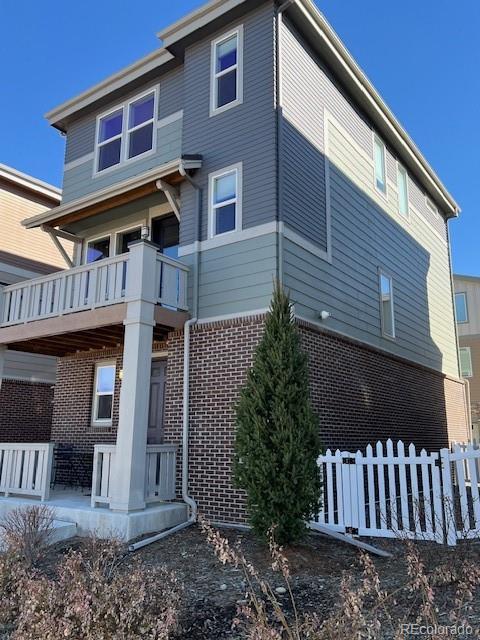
380,170
226,72
97,249
466,367
402,180
386,305
461,307
225,202
126,133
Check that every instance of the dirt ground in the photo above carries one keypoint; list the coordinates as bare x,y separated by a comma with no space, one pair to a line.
212,591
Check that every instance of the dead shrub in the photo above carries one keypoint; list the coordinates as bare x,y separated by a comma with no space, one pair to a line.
27,531
437,598
97,596
13,575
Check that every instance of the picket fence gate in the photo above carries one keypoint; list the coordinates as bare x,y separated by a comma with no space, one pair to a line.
402,493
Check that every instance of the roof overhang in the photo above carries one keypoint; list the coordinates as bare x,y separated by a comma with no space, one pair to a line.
115,195
128,78
31,184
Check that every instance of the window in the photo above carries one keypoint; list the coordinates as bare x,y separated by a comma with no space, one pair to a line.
103,393
225,201
461,308
402,180
98,249
379,157
227,72
466,368
126,237
140,125
386,305
126,133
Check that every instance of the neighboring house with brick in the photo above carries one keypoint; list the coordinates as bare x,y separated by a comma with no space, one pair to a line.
26,392
467,307
249,147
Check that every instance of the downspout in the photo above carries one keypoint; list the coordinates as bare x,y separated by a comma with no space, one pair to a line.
190,502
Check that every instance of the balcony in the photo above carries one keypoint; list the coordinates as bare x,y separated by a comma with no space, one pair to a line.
87,297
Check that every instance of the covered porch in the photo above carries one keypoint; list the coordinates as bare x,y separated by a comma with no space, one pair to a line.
125,305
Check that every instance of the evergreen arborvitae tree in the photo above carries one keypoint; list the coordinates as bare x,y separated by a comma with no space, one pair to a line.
277,443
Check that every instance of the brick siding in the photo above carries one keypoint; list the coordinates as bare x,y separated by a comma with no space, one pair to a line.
25,411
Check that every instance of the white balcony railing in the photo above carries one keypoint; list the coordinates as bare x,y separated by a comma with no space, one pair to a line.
25,469
160,473
88,287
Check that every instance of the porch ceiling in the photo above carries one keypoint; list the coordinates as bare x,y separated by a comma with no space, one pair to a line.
83,331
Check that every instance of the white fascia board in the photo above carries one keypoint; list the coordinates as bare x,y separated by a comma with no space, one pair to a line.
30,183
196,20
112,83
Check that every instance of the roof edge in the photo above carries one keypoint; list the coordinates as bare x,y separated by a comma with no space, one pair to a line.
29,182
115,81
363,83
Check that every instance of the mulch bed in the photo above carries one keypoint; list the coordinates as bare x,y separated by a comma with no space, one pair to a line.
212,592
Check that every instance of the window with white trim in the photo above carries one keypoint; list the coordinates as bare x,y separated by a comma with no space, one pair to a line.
97,249
226,71
103,393
127,132
466,367
402,182
225,205
380,167
386,305
461,307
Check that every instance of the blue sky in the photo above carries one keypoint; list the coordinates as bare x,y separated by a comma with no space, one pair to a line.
423,59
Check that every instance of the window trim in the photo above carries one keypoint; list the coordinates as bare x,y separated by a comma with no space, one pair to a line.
120,232
388,336
124,136
238,32
401,169
102,422
464,294
238,169
377,138
469,351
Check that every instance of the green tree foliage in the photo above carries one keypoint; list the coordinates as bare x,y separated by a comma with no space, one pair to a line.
277,443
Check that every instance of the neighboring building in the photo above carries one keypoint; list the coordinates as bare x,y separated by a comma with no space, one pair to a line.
26,393
467,306
249,147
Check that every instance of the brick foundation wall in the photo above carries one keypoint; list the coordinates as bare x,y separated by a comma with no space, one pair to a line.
360,394
25,411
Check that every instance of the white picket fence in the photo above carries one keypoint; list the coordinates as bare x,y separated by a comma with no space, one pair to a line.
402,493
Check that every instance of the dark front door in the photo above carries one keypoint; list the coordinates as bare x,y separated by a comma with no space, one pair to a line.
165,234
157,399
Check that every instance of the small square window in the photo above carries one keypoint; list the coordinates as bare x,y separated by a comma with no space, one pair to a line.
227,80
224,201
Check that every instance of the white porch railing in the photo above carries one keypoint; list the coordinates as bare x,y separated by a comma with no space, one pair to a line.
171,278
78,289
86,287
160,469
25,469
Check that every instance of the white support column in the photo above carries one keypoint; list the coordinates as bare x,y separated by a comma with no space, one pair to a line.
128,490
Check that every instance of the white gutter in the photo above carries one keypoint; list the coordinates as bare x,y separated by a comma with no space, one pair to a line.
190,502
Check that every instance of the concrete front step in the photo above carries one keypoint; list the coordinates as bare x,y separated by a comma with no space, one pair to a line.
63,530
